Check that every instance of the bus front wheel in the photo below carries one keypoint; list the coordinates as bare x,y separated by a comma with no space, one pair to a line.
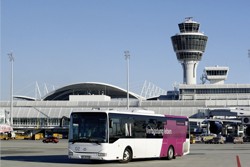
170,153
127,156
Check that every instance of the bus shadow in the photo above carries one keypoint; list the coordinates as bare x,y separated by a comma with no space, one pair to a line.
63,159
49,159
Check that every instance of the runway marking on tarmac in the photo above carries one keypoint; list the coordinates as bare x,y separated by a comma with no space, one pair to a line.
238,161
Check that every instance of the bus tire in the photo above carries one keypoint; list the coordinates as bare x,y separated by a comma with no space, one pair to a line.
127,155
170,153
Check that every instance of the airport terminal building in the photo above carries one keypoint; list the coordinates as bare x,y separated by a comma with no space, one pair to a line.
50,111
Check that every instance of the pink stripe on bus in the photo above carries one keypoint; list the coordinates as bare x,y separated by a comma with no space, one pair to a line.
175,137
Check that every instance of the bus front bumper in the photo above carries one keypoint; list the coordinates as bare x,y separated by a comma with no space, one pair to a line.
89,155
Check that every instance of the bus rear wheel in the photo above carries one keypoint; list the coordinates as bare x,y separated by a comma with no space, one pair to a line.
170,153
127,156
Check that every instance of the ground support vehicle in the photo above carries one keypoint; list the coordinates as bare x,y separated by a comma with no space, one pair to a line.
50,140
238,140
216,140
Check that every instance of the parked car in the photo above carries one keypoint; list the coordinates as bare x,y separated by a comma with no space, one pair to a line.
50,140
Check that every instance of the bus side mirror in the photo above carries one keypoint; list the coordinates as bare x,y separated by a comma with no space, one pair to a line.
111,123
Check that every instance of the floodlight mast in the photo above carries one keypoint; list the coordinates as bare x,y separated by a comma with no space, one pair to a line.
249,54
11,58
127,57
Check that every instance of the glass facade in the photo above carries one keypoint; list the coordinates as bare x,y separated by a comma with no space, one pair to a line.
189,27
189,42
195,44
216,72
216,91
38,122
189,56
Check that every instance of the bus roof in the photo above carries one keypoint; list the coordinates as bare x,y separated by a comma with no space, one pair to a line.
130,111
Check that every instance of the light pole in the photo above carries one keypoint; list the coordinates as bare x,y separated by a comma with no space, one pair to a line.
11,58
127,57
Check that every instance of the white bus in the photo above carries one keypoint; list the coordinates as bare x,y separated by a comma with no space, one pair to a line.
127,135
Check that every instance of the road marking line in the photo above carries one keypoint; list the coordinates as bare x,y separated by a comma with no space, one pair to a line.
238,161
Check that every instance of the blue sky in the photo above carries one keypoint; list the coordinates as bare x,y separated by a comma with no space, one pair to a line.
60,42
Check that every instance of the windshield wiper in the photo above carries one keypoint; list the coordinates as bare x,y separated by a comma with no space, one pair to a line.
97,141
79,140
91,140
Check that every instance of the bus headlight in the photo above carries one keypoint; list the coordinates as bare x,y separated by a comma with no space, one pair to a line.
102,154
70,153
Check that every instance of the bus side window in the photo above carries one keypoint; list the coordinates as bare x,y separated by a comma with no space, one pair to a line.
115,130
140,128
111,123
128,129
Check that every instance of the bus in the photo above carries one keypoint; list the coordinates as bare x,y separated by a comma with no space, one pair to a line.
126,135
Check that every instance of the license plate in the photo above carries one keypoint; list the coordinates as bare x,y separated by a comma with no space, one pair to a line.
85,157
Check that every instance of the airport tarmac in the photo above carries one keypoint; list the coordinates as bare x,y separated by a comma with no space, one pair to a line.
30,153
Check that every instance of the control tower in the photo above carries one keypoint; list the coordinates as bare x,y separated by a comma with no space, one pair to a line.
189,46
216,75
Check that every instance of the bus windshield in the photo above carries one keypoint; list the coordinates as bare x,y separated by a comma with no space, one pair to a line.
88,128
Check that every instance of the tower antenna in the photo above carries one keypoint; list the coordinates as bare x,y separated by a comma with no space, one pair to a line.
188,18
